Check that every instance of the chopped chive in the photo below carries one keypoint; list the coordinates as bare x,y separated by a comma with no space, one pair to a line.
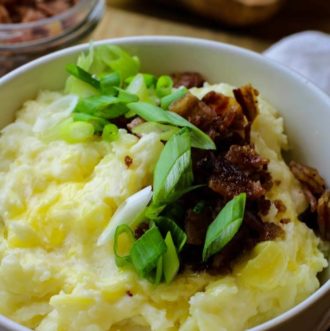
76,132
126,97
109,82
166,101
170,260
83,75
122,260
222,230
110,132
97,122
164,86
147,250
164,131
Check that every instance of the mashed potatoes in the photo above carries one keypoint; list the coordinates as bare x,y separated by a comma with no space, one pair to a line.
55,200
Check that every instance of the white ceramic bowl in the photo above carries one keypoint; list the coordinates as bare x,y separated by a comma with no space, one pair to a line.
305,108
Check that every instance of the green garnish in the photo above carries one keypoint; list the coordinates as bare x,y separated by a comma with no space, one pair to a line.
147,250
83,75
173,171
171,262
164,131
122,260
97,122
76,132
222,230
167,225
110,132
152,113
166,101
108,83
164,86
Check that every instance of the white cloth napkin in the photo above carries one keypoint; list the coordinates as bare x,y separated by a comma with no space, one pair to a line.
306,52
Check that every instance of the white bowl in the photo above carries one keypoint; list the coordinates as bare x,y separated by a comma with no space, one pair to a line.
305,108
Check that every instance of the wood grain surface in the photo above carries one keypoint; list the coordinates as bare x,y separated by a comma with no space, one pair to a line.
138,17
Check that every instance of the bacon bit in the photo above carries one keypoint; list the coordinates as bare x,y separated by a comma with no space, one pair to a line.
264,206
285,220
229,181
135,122
323,215
129,293
188,79
246,96
280,206
128,161
246,158
309,177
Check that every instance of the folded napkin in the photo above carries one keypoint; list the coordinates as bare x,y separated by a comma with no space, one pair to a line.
306,52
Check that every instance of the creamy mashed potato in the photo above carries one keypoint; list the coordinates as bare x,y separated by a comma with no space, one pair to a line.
56,199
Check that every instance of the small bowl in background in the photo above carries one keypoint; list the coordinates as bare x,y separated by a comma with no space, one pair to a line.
23,42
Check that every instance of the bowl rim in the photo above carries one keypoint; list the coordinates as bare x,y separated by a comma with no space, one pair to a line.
203,43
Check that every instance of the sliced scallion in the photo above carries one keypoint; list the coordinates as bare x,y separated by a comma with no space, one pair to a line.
166,225
167,100
76,132
97,122
164,131
171,262
147,250
152,113
110,132
83,75
129,212
123,260
164,86
222,230
108,83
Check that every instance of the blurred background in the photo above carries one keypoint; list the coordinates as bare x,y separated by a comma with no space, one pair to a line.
254,24
32,28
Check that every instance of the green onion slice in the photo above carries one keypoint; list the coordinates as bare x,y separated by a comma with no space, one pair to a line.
97,122
83,75
164,86
122,260
147,250
164,131
76,132
93,104
222,230
173,170
108,83
170,260
110,132
129,212
166,101
152,113
166,225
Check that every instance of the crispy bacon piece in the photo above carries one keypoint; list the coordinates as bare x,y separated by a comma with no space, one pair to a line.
247,98
188,79
309,177
229,181
323,215
246,158
135,122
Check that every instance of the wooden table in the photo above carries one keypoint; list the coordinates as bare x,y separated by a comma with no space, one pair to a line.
132,18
